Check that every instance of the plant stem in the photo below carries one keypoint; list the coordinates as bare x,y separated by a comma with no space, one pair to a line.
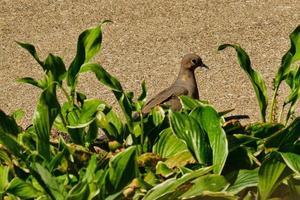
288,115
66,93
142,134
272,104
280,114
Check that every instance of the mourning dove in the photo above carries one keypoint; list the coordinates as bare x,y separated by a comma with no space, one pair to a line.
185,84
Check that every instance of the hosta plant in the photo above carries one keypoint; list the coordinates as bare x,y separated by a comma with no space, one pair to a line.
81,148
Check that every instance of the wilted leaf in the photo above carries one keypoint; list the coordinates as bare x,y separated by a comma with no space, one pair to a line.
180,159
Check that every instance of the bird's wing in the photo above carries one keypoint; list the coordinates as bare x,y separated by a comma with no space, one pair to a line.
164,96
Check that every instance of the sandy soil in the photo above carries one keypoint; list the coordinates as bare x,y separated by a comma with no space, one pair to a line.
146,42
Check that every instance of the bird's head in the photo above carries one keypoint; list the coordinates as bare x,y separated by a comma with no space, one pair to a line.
192,61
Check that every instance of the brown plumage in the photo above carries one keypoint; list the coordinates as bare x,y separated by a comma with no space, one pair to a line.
185,84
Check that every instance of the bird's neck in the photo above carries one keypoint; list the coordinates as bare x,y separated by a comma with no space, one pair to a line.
186,74
187,77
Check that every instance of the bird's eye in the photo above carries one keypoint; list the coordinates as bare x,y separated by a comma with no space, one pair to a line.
194,61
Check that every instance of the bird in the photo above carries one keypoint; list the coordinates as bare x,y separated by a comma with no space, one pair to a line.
184,84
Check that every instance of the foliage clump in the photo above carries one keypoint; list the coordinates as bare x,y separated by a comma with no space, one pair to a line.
79,148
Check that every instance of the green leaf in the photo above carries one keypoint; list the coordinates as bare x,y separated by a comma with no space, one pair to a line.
168,144
210,121
115,121
294,186
12,145
31,81
22,189
57,159
158,115
270,175
89,43
292,160
4,170
112,125
188,129
8,124
103,76
88,113
245,179
293,80
92,133
111,82
209,182
46,111
51,183
31,49
174,185
4,156
56,66
90,170
163,170
189,103
123,168
143,95
263,130
256,79
291,56
79,192
237,140
70,113
18,115
284,137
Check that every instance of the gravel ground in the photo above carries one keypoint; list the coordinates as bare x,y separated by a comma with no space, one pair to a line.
146,42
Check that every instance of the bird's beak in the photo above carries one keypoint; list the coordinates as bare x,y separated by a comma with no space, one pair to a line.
204,65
